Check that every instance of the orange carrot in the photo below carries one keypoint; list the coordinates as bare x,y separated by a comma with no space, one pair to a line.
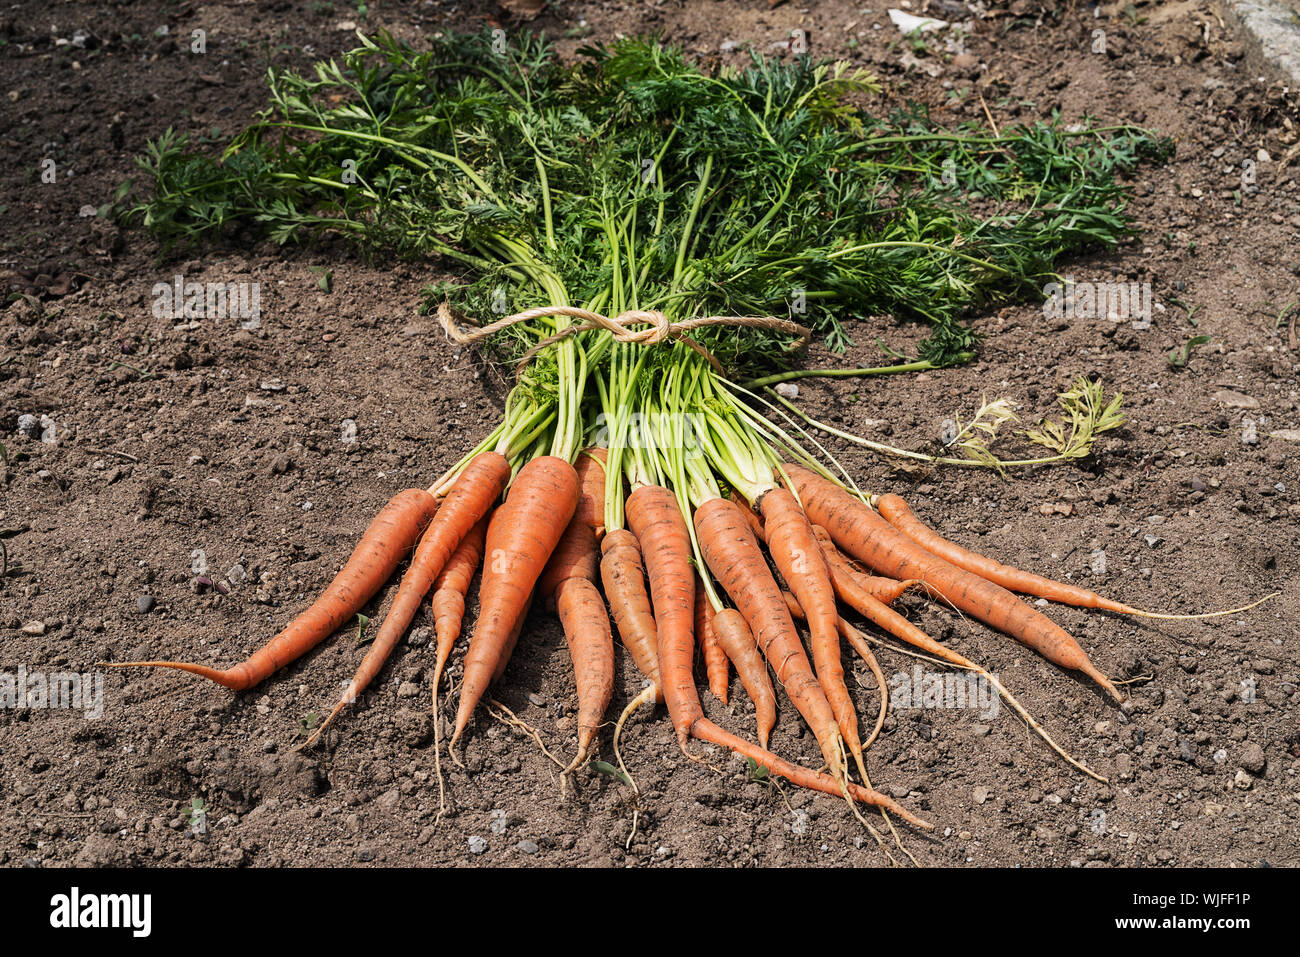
590,466
586,626
470,497
895,624
623,575
857,529
390,536
896,512
520,539
716,667
656,520
886,590
732,554
738,642
794,549
448,602
570,582
512,641
448,607
854,638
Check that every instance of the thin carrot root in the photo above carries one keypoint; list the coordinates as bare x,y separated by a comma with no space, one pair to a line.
1161,616
511,720
867,655
315,735
647,696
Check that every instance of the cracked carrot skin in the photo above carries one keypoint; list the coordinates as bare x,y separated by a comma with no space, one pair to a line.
860,531
732,553
522,535
716,666
895,511
387,540
623,575
655,518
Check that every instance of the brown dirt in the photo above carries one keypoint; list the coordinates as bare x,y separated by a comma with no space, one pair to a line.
188,451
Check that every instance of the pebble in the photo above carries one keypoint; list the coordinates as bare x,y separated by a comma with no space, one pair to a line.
1249,435
799,822
498,821
1243,780
1220,756
528,847
1252,758
476,844
28,425
537,699
34,628
236,575
365,854
788,389
145,604
981,794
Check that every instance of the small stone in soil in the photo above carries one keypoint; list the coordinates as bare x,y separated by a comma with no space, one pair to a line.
1252,758
477,845
528,847
145,604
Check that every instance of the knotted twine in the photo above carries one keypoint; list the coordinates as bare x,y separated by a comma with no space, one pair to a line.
659,328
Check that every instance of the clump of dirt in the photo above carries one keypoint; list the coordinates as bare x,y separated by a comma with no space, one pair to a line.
184,487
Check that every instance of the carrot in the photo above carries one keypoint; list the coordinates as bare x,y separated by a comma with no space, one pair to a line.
448,602
470,497
569,581
523,533
623,575
794,549
716,666
886,590
732,554
656,520
512,641
854,638
586,626
448,607
738,642
590,467
857,529
387,540
895,624
896,512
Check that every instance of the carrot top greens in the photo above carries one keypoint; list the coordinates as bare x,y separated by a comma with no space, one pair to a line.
630,178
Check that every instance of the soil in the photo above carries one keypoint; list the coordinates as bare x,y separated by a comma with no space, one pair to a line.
179,443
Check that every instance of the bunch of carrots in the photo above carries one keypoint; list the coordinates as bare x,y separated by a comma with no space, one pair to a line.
633,486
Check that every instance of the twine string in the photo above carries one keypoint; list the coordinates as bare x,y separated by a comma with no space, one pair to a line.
655,328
